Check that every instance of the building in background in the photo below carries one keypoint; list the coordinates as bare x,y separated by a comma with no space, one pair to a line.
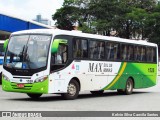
10,23
42,20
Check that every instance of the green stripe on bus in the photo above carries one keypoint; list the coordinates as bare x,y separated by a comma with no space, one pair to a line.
122,68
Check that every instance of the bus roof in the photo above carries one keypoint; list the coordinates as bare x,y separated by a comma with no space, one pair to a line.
80,34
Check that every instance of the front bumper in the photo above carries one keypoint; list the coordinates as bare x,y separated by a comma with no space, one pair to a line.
41,87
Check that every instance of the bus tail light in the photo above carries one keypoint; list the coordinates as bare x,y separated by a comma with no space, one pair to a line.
41,79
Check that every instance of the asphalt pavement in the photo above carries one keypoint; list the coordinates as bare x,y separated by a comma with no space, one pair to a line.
142,99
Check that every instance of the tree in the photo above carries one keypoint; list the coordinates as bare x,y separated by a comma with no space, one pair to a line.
129,18
153,26
65,17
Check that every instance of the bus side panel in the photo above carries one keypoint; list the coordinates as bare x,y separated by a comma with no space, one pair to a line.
91,78
147,73
92,75
144,75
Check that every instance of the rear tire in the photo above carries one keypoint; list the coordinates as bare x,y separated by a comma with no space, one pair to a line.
129,87
34,96
72,90
97,92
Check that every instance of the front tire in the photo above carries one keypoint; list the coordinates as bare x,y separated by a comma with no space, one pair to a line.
34,96
72,91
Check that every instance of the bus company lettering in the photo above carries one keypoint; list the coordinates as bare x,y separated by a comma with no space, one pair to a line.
100,67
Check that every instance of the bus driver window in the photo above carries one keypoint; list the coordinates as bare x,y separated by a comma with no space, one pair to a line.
61,55
59,59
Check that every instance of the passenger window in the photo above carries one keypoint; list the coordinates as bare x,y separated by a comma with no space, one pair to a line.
80,49
96,50
137,53
130,53
112,51
100,50
142,54
127,52
124,52
151,54
84,49
154,55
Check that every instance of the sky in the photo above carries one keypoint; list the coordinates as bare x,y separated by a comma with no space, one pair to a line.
28,9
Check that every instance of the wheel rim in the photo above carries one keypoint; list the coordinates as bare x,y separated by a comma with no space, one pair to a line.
129,86
72,89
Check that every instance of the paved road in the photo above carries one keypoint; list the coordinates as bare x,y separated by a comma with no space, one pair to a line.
142,100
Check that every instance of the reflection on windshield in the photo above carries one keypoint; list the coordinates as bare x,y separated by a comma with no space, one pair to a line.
27,51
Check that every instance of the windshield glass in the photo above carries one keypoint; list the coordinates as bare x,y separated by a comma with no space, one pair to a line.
27,51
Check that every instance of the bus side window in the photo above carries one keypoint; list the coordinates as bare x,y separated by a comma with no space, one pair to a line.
154,55
130,53
76,48
96,50
137,53
100,50
124,52
109,51
93,52
112,51
143,54
84,49
149,54
80,49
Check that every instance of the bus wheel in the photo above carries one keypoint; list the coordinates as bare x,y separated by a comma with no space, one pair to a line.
72,90
129,87
97,92
34,96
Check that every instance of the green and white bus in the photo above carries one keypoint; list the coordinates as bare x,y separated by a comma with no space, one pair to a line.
66,62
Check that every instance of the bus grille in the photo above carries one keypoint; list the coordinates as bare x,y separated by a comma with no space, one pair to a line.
26,86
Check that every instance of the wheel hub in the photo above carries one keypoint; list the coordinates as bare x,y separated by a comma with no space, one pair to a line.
72,89
129,86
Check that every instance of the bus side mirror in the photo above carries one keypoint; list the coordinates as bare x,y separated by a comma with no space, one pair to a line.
55,44
5,45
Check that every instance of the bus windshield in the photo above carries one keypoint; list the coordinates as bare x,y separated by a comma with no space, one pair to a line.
27,51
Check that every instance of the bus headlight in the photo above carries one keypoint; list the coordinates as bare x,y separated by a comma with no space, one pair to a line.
41,79
5,78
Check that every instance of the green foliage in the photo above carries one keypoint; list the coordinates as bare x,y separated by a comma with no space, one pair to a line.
153,26
138,19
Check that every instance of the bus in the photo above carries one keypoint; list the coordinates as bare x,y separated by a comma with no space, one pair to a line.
63,62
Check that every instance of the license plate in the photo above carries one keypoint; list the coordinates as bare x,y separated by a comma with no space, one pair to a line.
20,85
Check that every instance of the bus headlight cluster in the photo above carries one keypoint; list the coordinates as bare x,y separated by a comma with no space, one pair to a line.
5,78
41,79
